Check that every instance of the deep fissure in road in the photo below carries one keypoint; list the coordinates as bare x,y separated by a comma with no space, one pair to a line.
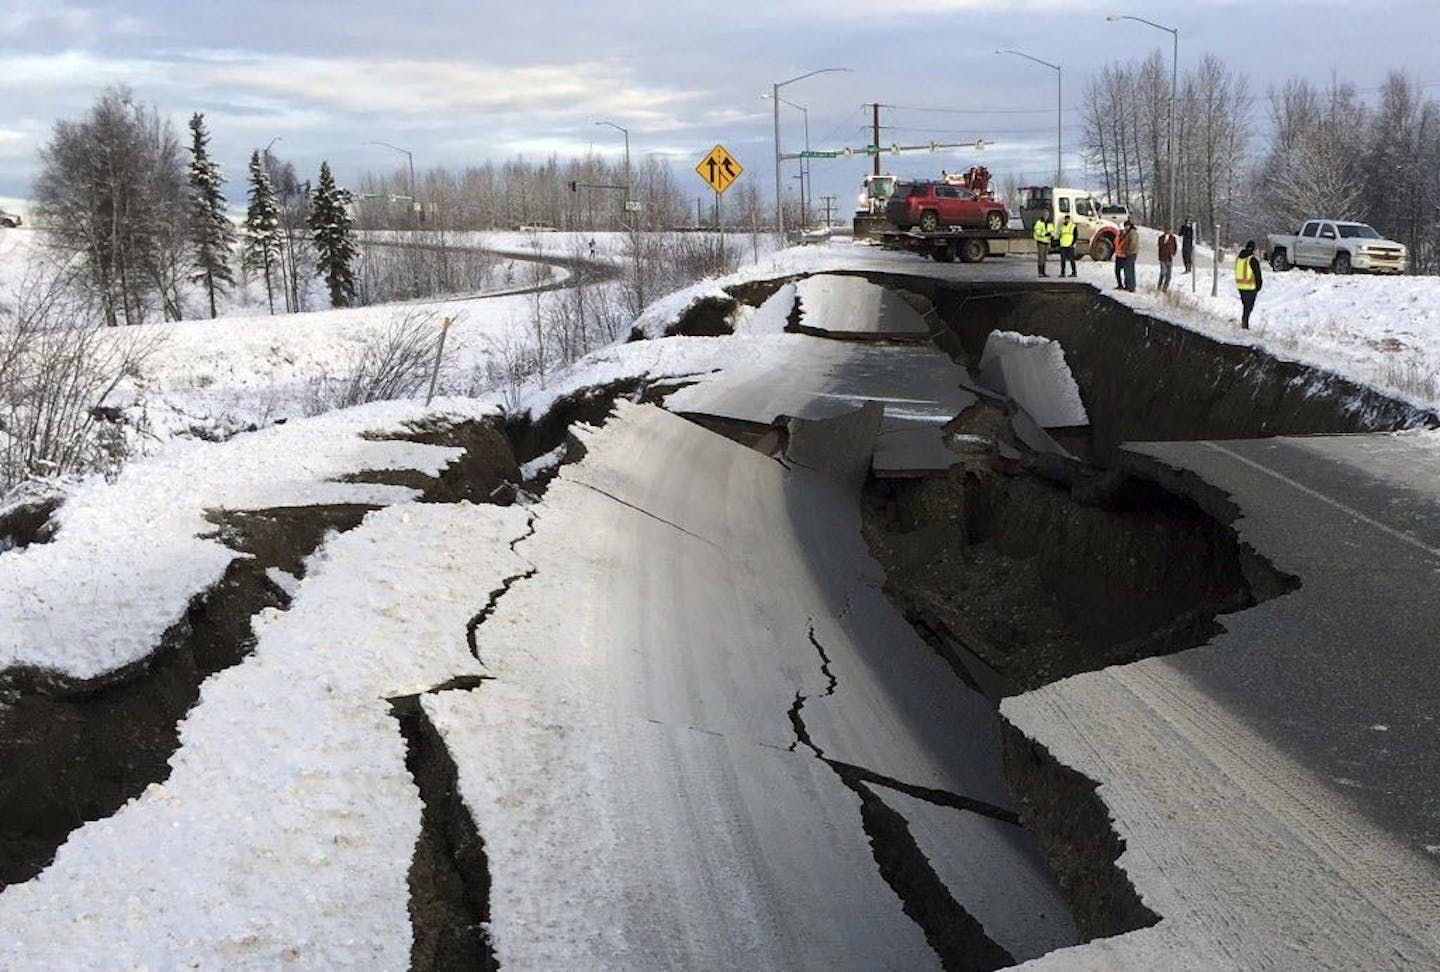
1143,379
492,601
450,871
957,937
76,751
1024,570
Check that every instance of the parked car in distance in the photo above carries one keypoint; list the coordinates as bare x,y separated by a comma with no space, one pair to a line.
10,220
935,205
1117,214
1338,245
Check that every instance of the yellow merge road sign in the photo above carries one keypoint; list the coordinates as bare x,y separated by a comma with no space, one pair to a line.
719,169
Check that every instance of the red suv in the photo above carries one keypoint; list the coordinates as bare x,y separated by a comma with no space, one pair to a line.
933,205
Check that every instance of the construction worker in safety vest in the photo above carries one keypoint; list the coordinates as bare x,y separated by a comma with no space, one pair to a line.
1066,232
1042,233
1248,281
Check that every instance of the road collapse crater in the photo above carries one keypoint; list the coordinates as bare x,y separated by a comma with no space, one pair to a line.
1022,567
75,751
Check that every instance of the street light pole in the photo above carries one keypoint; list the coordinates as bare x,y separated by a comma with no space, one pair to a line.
626,133
1174,33
1059,109
630,216
775,104
414,202
805,161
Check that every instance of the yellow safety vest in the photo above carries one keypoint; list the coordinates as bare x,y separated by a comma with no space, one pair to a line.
1042,231
1067,234
1244,274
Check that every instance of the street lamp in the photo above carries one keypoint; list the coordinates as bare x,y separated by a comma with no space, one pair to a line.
805,161
266,151
626,133
634,220
1059,111
414,202
775,104
1174,33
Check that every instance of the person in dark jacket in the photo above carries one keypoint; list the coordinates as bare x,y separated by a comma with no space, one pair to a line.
1248,281
1167,257
1130,239
1187,243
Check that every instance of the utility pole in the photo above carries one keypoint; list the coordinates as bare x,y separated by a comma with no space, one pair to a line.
829,202
875,136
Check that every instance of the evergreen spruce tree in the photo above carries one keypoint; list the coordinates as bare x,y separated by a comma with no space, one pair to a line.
211,232
331,226
261,249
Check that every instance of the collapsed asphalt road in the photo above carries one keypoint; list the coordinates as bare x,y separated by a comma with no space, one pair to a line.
731,700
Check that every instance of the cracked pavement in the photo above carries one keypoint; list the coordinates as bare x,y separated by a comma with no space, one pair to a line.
636,746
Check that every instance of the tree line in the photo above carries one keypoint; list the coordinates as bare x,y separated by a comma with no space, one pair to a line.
135,222
1329,153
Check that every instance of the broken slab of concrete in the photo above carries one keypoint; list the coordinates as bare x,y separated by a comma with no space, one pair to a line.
920,390
853,308
1033,371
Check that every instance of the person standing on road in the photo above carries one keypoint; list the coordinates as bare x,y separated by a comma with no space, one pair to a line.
1248,281
1131,242
1168,244
1187,243
1042,234
1120,259
1066,238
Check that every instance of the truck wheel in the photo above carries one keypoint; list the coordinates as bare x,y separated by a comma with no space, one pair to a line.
1102,248
929,221
973,250
1342,263
1279,262
995,220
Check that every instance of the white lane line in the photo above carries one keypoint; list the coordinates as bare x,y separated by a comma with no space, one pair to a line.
1400,535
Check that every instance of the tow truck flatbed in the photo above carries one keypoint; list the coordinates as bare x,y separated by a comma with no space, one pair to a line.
956,243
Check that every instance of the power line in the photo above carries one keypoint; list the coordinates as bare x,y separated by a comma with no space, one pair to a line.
980,111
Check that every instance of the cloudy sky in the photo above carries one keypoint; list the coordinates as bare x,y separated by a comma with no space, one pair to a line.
462,81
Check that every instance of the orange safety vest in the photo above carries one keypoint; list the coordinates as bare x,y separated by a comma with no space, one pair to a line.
1119,245
1244,274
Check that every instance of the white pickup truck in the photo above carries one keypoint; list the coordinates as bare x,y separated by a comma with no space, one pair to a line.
1332,244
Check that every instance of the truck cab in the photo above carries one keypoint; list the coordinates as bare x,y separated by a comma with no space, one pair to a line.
1094,234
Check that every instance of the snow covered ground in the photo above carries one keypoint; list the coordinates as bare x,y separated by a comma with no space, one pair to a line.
291,772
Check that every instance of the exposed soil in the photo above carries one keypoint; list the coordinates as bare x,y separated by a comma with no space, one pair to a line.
1041,581
75,752
450,872
486,472
1142,379
283,536
706,317
27,523
1072,826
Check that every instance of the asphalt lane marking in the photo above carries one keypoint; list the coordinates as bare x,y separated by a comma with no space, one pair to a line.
1400,535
